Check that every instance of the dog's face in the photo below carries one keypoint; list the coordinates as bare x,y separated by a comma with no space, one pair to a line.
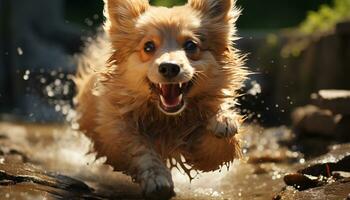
172,54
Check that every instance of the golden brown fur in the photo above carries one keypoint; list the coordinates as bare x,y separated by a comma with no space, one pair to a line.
119,111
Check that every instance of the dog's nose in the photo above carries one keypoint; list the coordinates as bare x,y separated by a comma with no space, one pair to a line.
169,70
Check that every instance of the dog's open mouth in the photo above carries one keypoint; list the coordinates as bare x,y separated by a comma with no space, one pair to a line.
171,97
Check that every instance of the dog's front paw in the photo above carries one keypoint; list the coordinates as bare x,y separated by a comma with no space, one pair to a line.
157,184
224,126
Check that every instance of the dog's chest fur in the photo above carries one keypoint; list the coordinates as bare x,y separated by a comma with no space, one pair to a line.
169,133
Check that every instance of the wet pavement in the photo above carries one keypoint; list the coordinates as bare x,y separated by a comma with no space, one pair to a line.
53,162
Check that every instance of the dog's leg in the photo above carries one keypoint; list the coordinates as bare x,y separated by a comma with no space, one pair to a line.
224,124
154,178
206,152
132,153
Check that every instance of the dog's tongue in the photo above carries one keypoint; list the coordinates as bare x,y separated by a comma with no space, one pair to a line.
171,95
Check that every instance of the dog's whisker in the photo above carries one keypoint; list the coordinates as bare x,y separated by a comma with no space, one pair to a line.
202,78
201,73
196,79
199,77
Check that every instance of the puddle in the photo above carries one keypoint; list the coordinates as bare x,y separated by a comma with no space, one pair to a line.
60,150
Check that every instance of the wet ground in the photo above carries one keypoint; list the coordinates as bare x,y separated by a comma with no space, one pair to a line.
53,162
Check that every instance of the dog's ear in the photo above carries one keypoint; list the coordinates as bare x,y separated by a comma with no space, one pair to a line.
120,24
215,9
123,13
218,22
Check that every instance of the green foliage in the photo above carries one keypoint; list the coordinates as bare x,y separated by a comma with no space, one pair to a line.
168,3
326,17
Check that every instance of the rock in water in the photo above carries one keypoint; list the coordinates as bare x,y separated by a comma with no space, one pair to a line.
313,120
25,177
337,101
325,177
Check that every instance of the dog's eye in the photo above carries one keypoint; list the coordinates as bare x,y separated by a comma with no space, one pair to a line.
190,46
149,47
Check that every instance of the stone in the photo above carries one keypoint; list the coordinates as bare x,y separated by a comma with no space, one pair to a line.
343,129
340,174
311,119
337,101
325,177
337,159
302,181
25,177
334,191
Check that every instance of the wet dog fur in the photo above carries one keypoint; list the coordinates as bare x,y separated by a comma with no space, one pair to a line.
160,85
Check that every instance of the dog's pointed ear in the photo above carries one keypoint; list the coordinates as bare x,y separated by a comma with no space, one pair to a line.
218,19
124,12
216,9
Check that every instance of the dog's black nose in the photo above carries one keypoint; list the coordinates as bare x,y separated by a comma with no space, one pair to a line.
169,70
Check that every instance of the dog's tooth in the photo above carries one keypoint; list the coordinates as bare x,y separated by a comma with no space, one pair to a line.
180,97
180,84
160,85
162,100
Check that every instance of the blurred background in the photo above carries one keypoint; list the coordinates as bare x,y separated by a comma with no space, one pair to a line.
297,101
294,48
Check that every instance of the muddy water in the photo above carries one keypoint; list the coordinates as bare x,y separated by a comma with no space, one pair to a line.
60,150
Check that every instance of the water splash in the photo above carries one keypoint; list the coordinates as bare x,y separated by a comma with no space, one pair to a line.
255,88
19,51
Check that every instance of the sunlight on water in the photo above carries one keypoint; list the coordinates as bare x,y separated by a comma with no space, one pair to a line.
67,153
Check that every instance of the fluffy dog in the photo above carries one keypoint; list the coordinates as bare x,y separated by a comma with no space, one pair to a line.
161,87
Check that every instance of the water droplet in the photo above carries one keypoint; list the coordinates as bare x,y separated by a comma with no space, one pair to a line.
53,73
19,51
57,108
255,89
42,80
26,75
75,126
57,82
61,75
49,91
89,22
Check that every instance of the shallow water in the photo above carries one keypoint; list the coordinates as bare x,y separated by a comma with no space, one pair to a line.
59,149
